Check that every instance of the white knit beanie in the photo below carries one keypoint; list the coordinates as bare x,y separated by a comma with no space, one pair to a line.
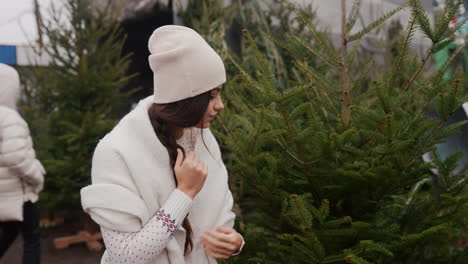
9,86
183,64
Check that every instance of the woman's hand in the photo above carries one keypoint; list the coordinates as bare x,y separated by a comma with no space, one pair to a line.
222,243
190,172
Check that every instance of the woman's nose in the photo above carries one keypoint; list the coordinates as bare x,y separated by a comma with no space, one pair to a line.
219,105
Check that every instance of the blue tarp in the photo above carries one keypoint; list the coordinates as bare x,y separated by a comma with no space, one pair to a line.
8,54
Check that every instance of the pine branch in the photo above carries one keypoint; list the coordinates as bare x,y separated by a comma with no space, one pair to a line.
354,259
291,129
445,108
275,40
296,246
345,94
422,18
271,134
269,112
361,79
417,118
245,75
454,29
353,14
300,161
376,23
442,70
326,48
278,58
312,50
417,153
442,44
266,76
371,246
421,67
257,132
354,51
404,50
325,87
437,76
383,97
290,92
439,23
447,15
332,259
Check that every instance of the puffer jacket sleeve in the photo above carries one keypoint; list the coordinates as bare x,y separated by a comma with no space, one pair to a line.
17,152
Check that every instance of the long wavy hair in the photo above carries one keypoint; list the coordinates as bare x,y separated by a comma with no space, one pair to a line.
165,119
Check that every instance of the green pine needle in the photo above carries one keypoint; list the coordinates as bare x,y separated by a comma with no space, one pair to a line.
353,15
376,23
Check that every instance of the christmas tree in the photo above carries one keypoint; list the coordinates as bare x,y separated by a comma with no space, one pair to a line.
71,103
324,152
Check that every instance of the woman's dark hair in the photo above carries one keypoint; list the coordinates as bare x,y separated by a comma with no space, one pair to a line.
165,118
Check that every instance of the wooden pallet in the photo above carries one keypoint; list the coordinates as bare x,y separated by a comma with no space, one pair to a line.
89,235
91,240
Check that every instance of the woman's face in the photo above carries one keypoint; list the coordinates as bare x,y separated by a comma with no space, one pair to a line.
214,106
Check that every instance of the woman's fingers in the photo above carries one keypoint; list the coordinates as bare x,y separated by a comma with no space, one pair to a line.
220,236
190,173
180,158
193,160
221,243
220,251
211,241
225,229
215,247
218,241
190,157
216,255
199,165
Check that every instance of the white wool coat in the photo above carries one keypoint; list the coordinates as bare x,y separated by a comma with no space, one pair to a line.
132,178
21,174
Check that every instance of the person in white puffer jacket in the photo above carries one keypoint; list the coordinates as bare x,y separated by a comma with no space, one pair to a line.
21,174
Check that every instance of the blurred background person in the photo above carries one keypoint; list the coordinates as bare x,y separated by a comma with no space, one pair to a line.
21,174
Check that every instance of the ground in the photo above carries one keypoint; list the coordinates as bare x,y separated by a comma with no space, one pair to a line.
75,254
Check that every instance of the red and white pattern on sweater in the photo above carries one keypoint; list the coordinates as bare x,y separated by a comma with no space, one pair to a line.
167,221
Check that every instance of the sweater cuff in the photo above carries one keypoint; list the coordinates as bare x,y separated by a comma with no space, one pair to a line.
177,206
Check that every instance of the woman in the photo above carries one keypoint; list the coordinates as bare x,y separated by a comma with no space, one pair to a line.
160,188
21,174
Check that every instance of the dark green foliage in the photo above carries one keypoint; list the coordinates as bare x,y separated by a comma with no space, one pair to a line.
434,212
314,189
71,102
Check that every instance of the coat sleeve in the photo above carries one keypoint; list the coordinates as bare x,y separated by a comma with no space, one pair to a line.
18,152
226,216
112,200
